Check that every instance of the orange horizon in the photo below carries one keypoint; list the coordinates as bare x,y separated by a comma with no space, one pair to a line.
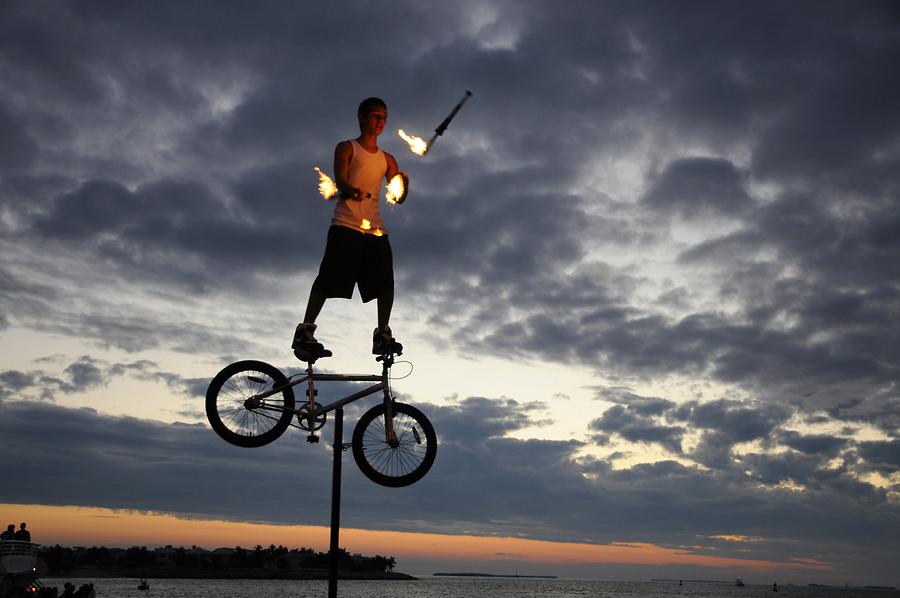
90,526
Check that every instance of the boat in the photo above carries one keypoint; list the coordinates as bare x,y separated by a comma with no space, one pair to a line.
19,574
739,582
18,569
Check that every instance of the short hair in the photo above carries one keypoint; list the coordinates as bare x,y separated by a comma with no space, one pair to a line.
370,104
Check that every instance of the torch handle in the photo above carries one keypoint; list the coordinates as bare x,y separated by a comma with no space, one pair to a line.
443,126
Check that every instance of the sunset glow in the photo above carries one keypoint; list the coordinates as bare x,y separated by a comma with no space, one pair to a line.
87,526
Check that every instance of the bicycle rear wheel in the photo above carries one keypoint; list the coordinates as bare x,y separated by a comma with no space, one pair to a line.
235,411
402,464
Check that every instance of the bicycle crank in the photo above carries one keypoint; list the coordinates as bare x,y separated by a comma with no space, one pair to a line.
307,423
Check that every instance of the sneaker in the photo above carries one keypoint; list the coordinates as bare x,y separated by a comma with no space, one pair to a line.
383,342
305,345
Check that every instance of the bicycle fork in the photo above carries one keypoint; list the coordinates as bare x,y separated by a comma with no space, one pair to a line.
390,437
311,403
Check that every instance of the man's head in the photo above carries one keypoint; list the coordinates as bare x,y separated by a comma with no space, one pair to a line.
10,528
22,525
372,115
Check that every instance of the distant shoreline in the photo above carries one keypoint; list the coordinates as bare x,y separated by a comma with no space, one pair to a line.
494,575
308,574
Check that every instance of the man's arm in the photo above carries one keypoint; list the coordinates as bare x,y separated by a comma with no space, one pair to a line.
343,153
392,171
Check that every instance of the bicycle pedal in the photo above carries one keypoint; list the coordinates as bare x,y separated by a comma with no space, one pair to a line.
345,446
312,438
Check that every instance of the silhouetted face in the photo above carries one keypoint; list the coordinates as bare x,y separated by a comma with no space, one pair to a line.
373,121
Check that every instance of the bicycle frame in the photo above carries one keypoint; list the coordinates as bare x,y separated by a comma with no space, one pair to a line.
310,412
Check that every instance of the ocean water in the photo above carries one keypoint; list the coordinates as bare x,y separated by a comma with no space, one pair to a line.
442,587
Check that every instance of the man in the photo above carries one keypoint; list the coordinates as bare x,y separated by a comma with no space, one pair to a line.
357,251
23,535
9,534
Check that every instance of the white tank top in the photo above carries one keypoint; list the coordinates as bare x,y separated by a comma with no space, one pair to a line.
366,173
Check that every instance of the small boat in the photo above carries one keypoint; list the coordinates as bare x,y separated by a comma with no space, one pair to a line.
143,585
739,582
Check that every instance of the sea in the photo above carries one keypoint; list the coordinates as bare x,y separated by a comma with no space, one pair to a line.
443,587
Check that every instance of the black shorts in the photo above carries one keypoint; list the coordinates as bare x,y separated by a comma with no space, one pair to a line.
352,258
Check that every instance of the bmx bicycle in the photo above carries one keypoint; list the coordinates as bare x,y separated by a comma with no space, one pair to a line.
251,403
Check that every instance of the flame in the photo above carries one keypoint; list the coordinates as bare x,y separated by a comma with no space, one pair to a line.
394,189
326,186
366,225
416,144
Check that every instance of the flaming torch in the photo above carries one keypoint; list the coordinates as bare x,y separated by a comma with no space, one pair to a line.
326,186
418,145
394,189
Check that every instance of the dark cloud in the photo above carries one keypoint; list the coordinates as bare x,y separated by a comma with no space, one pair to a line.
739,421
694,186
87,373
820,444
172,232
882,455
631,425
17,149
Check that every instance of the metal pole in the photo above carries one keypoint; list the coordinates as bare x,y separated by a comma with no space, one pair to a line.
336,501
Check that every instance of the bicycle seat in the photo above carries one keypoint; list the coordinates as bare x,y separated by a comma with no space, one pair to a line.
310,357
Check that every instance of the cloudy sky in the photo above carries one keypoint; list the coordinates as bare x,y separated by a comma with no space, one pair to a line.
648,280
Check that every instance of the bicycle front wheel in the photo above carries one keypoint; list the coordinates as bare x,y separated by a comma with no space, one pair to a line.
236,411
399,463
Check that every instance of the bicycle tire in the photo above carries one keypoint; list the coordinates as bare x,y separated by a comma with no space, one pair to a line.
397,466
229,414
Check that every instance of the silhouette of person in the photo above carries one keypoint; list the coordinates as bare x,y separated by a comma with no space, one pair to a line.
9,534
23,535
357,250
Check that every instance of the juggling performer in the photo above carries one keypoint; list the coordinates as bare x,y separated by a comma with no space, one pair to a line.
357,250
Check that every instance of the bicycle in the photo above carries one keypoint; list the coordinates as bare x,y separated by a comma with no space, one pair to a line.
251,403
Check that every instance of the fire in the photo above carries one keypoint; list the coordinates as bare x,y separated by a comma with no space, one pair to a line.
394,189
366,225
416,144
326,186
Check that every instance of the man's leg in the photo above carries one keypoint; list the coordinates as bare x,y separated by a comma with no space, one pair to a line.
383,340
379,282
305,345
385,303
314,307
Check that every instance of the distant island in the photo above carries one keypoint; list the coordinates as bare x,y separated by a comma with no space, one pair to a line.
274,562
492,575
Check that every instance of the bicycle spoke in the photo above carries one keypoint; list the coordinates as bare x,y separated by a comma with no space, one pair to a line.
393,461
235,391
